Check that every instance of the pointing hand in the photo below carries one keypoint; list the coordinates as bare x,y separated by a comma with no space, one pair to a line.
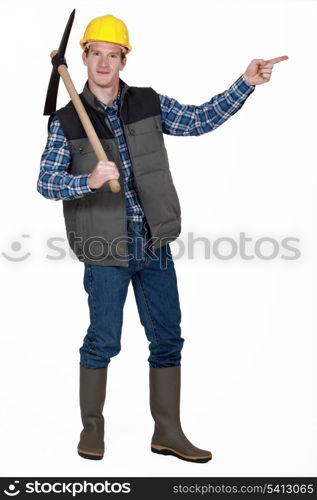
259,70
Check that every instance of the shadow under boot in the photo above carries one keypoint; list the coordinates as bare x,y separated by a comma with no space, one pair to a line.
168,437
92,393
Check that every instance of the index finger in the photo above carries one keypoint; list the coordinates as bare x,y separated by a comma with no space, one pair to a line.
276,59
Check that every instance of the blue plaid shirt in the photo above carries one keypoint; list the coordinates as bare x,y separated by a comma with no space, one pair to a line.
54,182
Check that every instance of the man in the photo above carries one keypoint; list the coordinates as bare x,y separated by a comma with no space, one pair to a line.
123,237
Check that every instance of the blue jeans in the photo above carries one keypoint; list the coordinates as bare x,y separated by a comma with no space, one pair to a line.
155,288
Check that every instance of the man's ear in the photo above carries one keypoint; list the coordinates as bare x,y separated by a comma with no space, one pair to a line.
123,63
84,58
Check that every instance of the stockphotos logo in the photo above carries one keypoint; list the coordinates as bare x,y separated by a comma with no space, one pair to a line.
241,246
70,488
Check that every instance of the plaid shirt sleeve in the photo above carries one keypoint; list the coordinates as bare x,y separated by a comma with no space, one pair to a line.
181,119
54,181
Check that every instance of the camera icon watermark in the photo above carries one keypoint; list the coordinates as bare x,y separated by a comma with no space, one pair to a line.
12,489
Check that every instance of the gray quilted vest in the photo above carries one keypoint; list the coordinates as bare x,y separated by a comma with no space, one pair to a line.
96,224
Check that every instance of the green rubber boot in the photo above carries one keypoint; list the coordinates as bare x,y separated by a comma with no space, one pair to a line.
168,437
92,395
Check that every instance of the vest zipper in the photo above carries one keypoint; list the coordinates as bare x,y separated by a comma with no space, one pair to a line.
136,184
109,126
124,202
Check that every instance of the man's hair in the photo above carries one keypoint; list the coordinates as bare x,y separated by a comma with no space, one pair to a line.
123,56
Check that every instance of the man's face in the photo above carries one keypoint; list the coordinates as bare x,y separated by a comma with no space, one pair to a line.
104,63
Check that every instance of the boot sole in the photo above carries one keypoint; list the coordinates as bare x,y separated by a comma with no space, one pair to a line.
160,450
89,456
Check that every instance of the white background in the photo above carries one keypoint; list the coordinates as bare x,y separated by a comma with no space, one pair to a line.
249,358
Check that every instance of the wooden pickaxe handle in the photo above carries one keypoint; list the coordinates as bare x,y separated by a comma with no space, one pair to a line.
85,120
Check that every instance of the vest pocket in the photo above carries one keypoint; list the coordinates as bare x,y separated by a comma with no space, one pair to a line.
173,194
84,159
80,220
73,231
145,136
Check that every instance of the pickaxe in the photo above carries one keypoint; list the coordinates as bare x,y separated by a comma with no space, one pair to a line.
60,69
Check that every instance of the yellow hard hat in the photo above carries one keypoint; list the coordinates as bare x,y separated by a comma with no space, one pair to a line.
107,29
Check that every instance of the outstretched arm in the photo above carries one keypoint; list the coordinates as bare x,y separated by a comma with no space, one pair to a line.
186,119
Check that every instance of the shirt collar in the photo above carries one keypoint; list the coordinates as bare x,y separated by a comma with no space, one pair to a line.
112,108
94,103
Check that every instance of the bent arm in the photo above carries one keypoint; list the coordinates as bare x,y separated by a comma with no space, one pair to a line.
186,119
54,181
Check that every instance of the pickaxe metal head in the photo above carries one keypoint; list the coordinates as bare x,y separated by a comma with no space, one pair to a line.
57,60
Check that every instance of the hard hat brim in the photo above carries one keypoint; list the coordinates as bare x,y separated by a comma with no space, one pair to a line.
85,43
